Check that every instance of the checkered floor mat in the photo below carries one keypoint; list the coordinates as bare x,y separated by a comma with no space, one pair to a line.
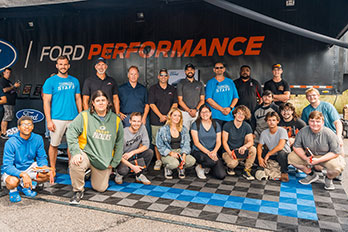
262,204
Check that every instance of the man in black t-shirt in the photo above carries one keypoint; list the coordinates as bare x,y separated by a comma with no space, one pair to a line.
279,87
101,81
10,92
162,97
290,121
249,89
237,140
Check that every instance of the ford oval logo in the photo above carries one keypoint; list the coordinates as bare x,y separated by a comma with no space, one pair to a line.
36,115
8,54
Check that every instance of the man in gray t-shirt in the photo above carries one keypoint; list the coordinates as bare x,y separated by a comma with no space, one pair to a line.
318,147
136,153
190,96
277,145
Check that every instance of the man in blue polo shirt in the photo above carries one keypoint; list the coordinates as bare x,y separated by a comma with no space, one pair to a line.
222,96
133,97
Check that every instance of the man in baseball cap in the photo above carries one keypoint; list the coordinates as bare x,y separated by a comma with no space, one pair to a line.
279,87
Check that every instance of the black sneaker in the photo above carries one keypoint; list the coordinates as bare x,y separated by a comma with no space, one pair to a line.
247,175
4,136
75,200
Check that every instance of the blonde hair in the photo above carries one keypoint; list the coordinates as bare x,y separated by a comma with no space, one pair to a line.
169,120
312,90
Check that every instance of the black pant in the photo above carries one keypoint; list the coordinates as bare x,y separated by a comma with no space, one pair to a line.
281,157
217,167
147,155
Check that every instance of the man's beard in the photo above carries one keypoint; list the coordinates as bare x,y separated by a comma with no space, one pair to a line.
245,78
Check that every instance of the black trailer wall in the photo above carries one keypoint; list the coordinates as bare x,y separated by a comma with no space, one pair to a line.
172,34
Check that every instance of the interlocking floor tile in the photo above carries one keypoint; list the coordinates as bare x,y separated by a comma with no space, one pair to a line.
269,205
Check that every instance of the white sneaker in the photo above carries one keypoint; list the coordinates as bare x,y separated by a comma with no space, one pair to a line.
158,165
168,174
328,184
200,172
181,173
118,178
142,179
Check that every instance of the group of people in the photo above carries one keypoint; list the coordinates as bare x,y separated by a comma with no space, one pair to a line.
213,127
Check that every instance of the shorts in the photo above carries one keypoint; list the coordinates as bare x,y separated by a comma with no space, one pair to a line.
336,164
154,130
31,173
57,135
8,113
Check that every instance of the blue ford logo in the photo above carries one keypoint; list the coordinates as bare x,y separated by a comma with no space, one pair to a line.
8,54
36,115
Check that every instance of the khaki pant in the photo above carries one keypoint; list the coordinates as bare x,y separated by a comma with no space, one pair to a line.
173,163
232,163
99,178
187,120
336,164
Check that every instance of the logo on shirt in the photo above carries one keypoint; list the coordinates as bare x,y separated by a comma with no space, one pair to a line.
109,83
36,115
8,55
222,88
133,140
102,134
66,86
281,88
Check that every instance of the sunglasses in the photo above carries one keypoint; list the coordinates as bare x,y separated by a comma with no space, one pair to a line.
219,67
164,75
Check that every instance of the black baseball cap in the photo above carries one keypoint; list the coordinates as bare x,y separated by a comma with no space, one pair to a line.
189,66
100,59
277,66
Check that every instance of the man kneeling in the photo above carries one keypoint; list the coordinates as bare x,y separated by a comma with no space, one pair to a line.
20,168
136,153
317,146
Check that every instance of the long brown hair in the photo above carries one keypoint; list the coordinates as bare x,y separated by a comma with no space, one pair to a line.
96,94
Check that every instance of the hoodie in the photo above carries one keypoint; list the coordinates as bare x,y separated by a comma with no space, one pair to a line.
97,138
19,154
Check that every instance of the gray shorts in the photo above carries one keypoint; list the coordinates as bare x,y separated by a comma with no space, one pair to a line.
8,113
29,170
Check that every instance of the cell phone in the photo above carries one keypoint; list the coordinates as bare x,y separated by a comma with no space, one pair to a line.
240,156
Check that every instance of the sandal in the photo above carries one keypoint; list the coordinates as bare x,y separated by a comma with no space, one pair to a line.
27,191
15,197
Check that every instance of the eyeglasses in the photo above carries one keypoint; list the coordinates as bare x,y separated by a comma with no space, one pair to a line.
26,124
205,112
221,67
163,75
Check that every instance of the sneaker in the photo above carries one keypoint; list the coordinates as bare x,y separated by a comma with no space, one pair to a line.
247,175
284,177
15,197
309,179
27,191
230,172
118,178
4,136
168,174
158,165
181,173
200,172
339,177
87,174
328,184
76,198
142,179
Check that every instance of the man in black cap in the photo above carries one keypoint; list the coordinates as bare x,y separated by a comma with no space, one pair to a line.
103,82
278,86
249,89
190,96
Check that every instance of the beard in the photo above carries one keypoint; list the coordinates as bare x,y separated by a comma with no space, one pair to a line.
245,77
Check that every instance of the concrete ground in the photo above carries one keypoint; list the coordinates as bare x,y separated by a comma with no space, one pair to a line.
50,213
